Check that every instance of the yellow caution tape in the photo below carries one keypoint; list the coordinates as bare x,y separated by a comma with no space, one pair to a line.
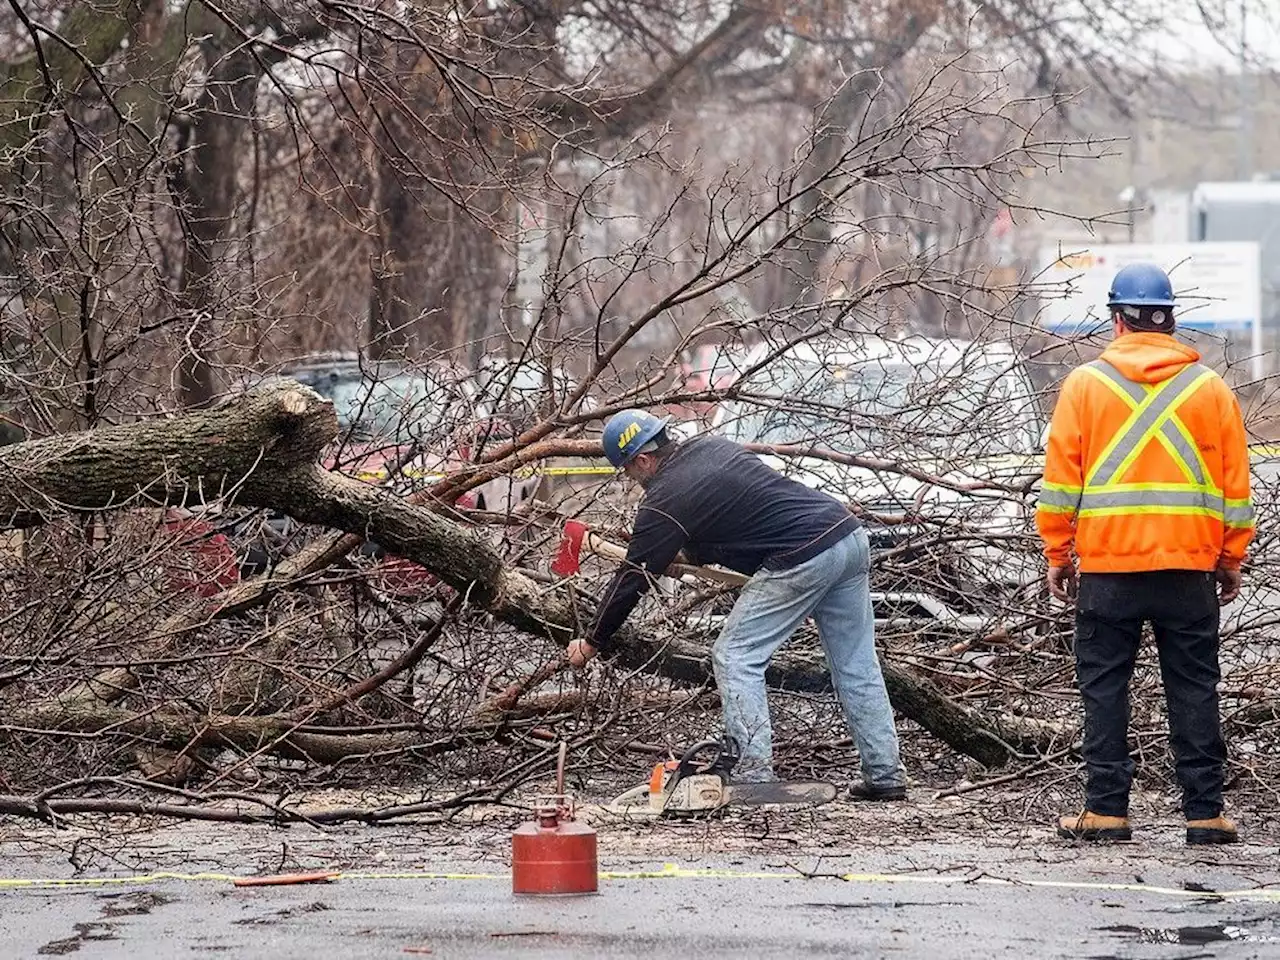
672,871
577,471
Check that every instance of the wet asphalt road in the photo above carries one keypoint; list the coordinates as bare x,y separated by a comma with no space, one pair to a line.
655,918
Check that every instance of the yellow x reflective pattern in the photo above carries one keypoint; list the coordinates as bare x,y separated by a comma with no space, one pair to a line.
1153,417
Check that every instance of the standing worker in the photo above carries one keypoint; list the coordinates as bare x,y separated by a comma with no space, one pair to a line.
1147,476
806,555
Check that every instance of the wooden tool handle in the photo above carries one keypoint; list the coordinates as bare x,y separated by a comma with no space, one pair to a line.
605,548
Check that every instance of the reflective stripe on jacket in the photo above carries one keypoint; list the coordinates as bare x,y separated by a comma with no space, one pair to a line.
1147,466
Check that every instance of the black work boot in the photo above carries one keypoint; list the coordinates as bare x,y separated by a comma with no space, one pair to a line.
869,791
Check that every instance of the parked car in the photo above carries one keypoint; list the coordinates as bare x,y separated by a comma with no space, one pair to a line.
406,426
524,389
714,366
416,422
954,415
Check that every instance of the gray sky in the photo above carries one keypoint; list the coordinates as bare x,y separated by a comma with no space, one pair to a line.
1189,39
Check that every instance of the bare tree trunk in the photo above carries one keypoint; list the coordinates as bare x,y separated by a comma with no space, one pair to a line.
799,270
207,189
416,270
437,281
402,236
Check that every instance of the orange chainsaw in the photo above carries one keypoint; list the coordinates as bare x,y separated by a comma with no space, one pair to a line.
700,784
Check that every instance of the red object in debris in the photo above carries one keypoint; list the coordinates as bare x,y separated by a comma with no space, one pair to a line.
201,560
566,562
554,854
285,879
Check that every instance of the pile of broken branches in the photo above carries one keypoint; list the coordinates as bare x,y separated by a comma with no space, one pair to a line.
118,677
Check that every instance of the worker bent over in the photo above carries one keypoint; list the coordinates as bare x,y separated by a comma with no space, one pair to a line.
1147,476
807,556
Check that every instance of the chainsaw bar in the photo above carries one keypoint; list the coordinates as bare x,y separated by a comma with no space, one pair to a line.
810,792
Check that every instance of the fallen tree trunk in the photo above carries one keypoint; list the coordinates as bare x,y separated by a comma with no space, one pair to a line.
261,450
329,549
280,735
994,741
230,453
35,808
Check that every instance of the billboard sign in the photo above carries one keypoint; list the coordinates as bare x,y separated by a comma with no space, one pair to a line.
1217,285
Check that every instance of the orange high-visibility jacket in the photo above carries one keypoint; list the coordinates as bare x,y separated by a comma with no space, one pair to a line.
1147,466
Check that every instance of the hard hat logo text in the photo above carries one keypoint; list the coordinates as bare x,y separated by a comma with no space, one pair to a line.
627,435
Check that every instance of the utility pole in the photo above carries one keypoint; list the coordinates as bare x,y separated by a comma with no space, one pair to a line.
1244,143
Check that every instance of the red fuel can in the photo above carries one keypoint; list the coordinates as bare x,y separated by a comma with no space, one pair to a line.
554,854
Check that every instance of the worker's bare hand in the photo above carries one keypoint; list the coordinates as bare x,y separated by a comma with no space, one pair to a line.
1063,582
580,652
1229,581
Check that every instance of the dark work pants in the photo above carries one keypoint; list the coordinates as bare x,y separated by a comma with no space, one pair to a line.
1182,606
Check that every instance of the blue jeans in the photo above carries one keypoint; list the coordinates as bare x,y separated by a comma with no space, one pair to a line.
833,588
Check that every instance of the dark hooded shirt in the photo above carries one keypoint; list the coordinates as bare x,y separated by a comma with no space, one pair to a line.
722,505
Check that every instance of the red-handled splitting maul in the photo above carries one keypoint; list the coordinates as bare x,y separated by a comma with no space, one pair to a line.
577,537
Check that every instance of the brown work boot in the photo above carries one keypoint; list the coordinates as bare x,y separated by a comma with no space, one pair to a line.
1217,830
1094,826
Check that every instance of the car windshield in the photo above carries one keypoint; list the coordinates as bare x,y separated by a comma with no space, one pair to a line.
886,409
392,407
521,386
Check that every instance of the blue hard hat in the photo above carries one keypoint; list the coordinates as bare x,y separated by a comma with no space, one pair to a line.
628,431
1140,285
